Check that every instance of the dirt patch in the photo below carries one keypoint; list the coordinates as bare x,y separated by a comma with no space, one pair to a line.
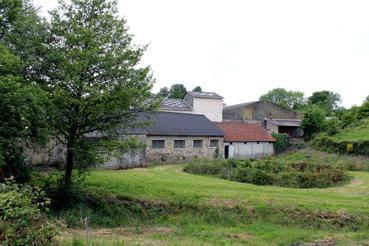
126,234
355,182
325,242
225,203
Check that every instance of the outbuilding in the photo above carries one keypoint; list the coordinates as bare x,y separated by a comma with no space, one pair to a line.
246,141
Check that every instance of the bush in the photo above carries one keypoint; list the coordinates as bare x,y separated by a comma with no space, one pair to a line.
324,142
282,142
295,174
22,217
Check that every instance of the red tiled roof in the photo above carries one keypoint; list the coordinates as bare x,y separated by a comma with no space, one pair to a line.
240,132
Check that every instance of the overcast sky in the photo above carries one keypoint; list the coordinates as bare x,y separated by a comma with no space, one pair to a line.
241,49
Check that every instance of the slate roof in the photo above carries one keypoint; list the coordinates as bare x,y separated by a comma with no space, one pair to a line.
212,95
285,122
176,124
175,104
240,132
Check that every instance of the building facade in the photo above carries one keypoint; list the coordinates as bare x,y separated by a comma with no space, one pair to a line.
246,141
209,104
274,118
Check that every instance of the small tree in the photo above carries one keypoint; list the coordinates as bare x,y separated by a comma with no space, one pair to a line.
313,121
164,92
197,89
177,91
94,80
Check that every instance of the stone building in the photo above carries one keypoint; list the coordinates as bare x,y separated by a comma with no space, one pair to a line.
246,141
272,117
171,138
209,104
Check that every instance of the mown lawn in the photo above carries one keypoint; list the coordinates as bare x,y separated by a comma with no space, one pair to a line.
170,207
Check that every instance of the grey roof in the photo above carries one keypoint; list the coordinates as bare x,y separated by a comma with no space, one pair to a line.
175,104
285,122
176,124
212,95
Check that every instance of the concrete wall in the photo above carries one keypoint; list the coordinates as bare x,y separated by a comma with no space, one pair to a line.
173,155
53,154
250,150
258,111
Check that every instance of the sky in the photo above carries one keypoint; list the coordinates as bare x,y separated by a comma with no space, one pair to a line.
241,49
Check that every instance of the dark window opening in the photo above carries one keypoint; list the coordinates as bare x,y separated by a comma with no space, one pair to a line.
179,144
158,144
197,143
214,143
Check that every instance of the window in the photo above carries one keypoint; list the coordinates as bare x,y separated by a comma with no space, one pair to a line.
214,143
158,144
179,144
197,143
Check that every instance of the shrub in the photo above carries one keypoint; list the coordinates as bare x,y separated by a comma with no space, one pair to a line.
282,142
295,174
22,217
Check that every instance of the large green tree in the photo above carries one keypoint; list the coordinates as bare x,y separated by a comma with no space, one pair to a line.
288,99
313,120
93,76
327,100
23,118
24,33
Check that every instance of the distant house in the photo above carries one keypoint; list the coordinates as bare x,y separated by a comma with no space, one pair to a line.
246,141
272,117
209,104
172,137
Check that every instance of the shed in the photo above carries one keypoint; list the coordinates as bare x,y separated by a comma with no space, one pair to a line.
246,141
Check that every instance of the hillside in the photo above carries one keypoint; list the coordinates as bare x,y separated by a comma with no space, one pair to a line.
354,134
165,206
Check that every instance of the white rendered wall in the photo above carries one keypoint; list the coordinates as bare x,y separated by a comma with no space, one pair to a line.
211,108
250,150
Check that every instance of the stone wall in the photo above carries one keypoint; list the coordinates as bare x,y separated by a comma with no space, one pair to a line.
169,154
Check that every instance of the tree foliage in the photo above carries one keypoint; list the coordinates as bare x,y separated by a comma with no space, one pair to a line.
23,117
288,99
327,100
197,89
94,80
177,91
313,120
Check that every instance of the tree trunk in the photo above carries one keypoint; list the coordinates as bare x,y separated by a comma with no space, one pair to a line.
69,167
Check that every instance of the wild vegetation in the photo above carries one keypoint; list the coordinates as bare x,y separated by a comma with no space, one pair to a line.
302,173
165,205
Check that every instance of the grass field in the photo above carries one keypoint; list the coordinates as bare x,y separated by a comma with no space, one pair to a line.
355,134
165,206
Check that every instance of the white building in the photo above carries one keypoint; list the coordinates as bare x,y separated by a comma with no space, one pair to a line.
246,141
209,104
